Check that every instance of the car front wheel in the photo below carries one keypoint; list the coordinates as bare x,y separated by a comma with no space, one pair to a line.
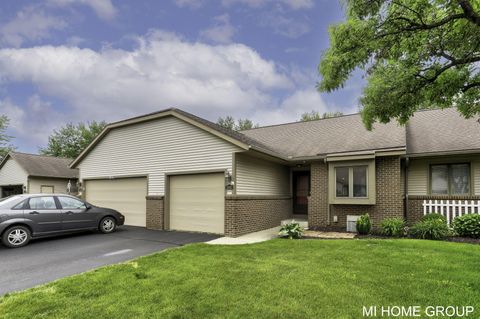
108,225
16,236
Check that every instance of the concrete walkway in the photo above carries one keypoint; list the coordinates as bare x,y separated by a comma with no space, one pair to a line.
252,238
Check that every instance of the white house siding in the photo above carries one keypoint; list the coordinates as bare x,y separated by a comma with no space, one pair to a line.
166,145
256,176
59,185
12,174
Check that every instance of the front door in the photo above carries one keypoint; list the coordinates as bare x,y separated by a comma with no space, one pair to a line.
301,191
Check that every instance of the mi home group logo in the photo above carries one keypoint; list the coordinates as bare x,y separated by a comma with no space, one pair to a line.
419,311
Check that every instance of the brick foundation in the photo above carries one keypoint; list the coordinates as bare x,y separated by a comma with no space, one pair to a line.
155,215
246,214
389,198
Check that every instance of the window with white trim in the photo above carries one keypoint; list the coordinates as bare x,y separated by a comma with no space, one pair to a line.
450,179
351,181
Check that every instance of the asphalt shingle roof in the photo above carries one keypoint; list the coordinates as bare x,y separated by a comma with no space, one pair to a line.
326,136
45,166
442,131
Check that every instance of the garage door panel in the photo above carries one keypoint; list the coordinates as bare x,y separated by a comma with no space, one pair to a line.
125,195
197,203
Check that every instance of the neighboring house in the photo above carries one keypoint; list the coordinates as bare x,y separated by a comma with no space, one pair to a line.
173,170
29,173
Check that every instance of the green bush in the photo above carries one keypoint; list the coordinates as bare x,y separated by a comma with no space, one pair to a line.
364,225
467,225
433,228
433,216
392,227
291,230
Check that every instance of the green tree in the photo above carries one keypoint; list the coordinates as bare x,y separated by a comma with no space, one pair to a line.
315,115
70,140
239,125
5,146
416,54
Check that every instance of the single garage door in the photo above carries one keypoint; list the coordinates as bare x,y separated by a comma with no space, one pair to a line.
197,203
127,195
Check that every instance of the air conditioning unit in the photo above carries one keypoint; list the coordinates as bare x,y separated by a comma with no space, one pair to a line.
352,223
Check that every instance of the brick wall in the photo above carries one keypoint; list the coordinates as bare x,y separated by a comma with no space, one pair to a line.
415,205
245,213
317,201
389,198
155,216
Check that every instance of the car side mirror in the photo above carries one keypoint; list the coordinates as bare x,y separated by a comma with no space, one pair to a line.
88,207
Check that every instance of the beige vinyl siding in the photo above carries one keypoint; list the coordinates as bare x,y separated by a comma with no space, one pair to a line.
154,148
418,172
476,177
255,176
59,184
418,177
13,174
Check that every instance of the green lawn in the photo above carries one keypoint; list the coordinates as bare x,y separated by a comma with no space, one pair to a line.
275,279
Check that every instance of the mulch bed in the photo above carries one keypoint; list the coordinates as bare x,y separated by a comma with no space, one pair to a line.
329,234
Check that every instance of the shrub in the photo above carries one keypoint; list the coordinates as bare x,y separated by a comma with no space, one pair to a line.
392,227
433,228
433,216
291,230
364,225
467,225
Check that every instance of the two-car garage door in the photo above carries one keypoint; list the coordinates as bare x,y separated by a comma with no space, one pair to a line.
196,201
127,195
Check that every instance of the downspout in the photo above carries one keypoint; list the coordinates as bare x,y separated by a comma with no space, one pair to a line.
405,211
328,194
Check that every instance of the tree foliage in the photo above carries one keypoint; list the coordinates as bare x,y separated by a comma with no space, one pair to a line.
238,125
70,140
315,115
416,53
5,139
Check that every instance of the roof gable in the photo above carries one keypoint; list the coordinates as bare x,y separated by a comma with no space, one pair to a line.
233,137
42,166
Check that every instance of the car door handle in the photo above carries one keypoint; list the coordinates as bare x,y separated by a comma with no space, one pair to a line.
69,212
34,213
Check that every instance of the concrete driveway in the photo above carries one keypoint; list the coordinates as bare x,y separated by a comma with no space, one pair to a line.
48,259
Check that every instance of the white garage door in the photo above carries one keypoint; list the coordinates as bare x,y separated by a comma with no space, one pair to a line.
197,203
127,195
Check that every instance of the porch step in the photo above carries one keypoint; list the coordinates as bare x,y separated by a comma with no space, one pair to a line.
302,222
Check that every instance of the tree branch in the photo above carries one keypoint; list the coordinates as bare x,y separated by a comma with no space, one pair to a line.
468,11
470,86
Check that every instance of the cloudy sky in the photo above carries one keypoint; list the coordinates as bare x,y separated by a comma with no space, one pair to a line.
80,60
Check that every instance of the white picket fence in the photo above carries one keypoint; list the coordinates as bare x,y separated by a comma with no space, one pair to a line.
451,208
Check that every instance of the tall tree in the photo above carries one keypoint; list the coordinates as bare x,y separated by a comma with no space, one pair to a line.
416,54
5,139
315,115
70,140
239,125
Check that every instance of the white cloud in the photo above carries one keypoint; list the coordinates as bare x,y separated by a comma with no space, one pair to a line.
104,9
163,71
292,4
284,25
221,32
33,121
292,107
192,4
31,23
